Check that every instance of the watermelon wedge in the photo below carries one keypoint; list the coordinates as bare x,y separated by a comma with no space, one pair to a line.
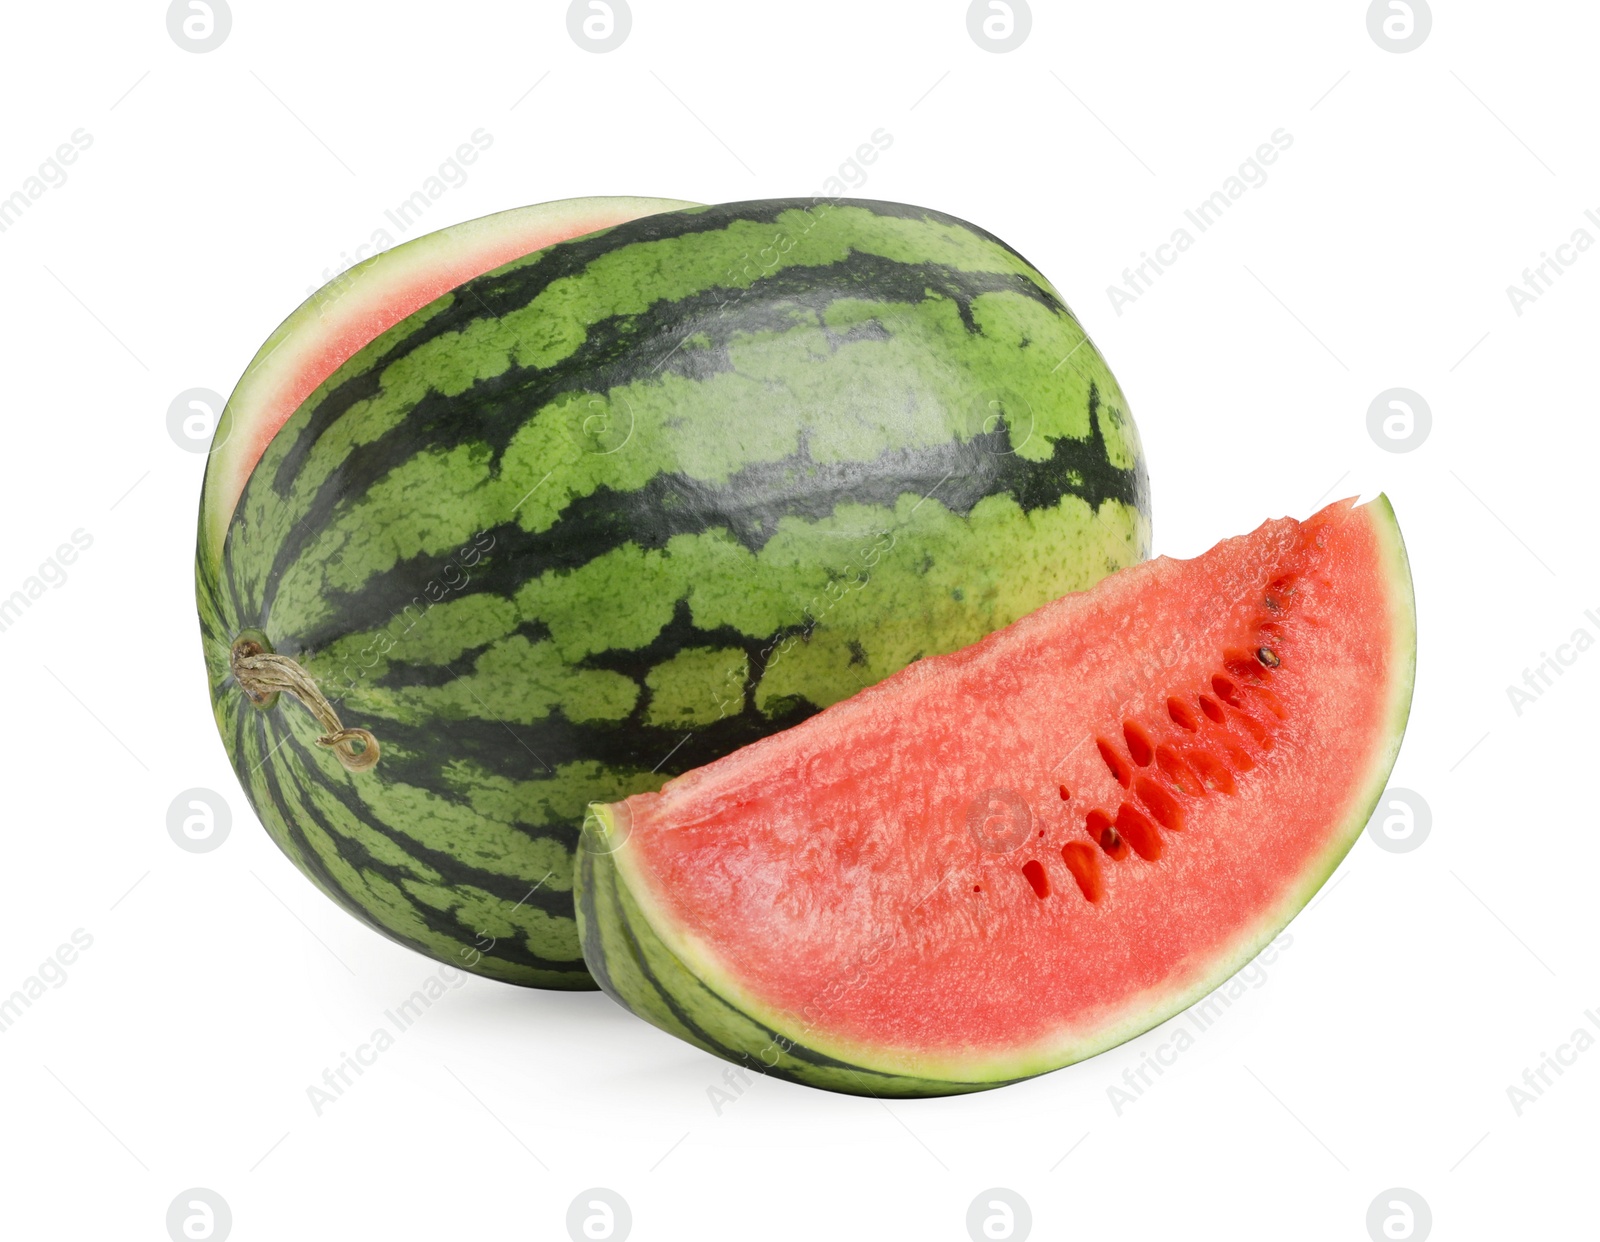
1004,860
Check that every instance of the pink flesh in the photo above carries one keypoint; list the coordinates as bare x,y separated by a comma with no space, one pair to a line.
831,874
349,323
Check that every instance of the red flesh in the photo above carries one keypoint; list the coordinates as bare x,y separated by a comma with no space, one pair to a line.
776,868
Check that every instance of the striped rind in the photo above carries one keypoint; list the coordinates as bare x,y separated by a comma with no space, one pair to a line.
651,968
338,318
637,970
623,505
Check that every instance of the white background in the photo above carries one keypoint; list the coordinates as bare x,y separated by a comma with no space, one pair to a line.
1377,1053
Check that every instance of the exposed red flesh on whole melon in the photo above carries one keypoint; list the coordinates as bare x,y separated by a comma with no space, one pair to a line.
1034,848
359,305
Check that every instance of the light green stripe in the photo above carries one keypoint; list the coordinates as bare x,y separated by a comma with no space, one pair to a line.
557,799
883,580
627,938
775,395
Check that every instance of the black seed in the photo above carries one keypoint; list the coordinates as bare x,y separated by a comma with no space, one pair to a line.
1268,657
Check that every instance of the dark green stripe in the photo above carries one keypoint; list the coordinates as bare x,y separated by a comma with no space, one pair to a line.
298,846
636,950
355,509
749,506
796,1061
516,284
352,852
493,411
492,295
590,930
453,872
507,750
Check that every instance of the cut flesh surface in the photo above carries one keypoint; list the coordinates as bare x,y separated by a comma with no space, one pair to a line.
358,306
1004,860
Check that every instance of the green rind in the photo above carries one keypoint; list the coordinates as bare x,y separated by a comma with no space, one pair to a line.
505,706
637,970
372,277
623,931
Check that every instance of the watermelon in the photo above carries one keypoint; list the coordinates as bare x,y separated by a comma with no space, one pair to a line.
558,531
1001,861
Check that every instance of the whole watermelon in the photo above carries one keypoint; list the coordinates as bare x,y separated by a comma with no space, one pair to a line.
625,504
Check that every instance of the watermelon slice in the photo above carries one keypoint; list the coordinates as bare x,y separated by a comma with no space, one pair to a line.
1001,861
